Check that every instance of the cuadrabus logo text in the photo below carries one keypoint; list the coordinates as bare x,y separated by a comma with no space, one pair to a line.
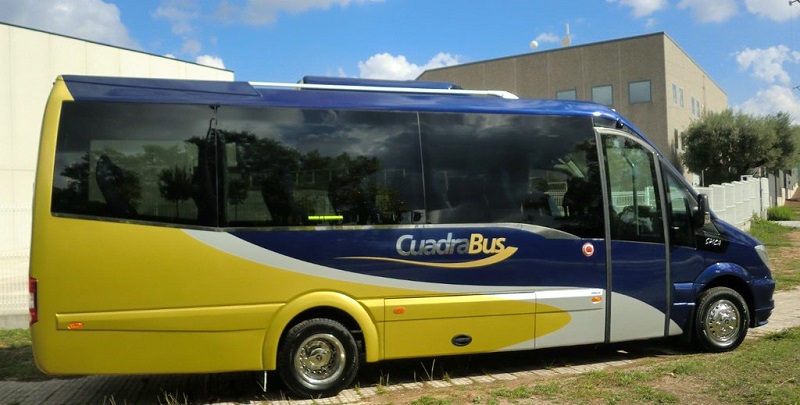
462,250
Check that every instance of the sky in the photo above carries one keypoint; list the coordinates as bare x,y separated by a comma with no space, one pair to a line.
750,48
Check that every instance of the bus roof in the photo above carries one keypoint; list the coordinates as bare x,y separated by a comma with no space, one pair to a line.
341,93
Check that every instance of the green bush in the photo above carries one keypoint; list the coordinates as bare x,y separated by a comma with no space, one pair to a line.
782,213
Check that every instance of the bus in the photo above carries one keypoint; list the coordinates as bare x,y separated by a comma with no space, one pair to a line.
305,228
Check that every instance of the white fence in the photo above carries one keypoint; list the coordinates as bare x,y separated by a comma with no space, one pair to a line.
15,236
737,202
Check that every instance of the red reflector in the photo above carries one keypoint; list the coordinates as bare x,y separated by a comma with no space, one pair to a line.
33,286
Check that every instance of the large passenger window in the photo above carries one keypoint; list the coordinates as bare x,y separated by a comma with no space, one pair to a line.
298,167
491,168
635,206
144,162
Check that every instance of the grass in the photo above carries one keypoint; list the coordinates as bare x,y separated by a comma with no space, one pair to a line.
762,371
770,233
515,393
430,401
782,213
782,246
16,358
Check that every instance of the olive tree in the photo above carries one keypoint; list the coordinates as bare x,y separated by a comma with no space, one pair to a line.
725,145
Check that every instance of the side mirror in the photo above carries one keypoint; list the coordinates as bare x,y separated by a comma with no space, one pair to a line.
702,215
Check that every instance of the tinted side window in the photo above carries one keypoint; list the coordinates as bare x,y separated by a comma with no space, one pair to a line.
540,170
135,162
635,204
288,167
681,206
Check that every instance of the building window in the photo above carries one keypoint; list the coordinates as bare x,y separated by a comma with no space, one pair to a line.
675,142
567,95
693,107
680,96
603,95
674,94
639,92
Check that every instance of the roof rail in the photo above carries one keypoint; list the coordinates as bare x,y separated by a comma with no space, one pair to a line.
353,81
383,89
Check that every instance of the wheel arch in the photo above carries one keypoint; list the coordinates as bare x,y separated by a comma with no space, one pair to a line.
329,305
731,276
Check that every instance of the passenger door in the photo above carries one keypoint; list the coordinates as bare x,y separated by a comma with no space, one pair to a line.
638,257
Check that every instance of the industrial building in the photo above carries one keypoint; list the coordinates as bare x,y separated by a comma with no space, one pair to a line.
648,79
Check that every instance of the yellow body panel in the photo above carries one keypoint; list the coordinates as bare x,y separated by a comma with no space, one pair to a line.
433,337
234,318
426,326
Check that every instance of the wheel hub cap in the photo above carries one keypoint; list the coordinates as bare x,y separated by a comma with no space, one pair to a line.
320,359
722,322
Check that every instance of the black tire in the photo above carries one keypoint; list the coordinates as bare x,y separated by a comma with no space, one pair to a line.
721,320
318,358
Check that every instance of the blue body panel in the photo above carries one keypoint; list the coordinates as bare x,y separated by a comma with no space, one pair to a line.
539,260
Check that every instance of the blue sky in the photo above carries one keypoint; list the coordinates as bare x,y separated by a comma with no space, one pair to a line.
751,48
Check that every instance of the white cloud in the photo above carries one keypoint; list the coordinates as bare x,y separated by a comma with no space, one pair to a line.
180,14
642,8
191,47
387,66
778,10
710,11
767,64
773,100
546,37
208,60
93,20
261,12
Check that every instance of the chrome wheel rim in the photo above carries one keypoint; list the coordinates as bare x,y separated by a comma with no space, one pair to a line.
722,323
319,360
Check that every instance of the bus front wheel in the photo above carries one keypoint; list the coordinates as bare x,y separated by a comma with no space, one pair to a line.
721,320
318,358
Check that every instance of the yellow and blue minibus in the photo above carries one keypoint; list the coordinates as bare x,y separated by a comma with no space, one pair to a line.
197,226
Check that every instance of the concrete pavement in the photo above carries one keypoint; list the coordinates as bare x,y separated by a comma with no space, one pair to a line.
242,388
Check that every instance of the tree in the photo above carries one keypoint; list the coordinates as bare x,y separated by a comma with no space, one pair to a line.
726,145
786,142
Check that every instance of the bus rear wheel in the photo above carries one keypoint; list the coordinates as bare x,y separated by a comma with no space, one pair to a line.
318,358
721,320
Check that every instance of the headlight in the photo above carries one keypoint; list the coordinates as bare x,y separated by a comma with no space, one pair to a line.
762,253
